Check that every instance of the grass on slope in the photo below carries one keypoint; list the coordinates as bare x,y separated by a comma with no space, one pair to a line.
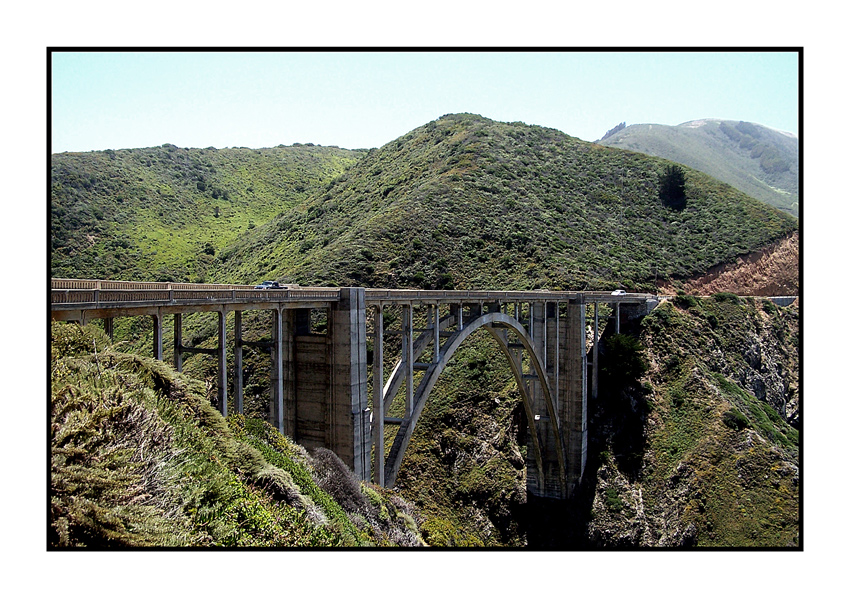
164,212
140,458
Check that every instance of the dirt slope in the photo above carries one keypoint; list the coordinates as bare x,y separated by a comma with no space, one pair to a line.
771,271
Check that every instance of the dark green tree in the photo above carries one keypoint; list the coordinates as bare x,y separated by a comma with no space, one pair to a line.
671,187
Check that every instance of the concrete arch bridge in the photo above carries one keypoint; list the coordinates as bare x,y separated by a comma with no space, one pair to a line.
320,378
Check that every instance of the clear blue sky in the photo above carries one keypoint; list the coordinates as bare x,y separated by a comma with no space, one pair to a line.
113,100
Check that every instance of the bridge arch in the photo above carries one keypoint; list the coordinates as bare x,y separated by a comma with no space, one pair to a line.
499,325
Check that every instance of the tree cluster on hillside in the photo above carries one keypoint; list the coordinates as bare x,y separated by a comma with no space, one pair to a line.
671,187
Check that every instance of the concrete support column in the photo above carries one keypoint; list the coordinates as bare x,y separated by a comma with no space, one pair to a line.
378,394
222,362
617,318
237,361
573,388
553,347
538,326
594,385
407,356
436,323
178,342
109,327
348,411
157,336
277,407
549,483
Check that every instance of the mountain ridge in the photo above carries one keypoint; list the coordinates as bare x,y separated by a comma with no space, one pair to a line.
760,161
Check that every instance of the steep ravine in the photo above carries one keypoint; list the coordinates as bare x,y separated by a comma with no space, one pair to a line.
715,461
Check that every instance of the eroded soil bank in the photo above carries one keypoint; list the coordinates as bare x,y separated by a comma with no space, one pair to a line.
772,271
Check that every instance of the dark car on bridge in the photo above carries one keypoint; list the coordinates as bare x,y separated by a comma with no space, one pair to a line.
269,284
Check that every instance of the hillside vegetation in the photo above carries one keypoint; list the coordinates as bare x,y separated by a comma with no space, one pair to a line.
703,450
467,202
761,162
139,458
163,213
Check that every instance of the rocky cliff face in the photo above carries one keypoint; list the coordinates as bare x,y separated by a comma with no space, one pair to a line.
703,450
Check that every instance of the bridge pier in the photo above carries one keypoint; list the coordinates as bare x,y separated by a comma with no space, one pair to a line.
573,392
319,380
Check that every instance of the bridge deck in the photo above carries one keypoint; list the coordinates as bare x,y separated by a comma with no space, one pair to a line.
104,298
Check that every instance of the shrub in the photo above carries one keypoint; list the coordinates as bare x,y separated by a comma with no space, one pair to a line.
685,301
735,420
724,296
613,500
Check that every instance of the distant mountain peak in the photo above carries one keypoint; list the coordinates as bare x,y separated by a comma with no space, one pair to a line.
760,161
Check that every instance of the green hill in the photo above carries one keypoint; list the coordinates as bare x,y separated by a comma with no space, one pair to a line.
760,161
163,212
467,202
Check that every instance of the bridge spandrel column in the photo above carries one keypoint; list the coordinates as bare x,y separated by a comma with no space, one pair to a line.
378,394
237,361
178,342
553,344
157,336
284,370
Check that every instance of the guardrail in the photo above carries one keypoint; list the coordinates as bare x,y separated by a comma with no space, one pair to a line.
375,295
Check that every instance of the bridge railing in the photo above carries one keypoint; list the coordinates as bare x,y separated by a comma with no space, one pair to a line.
472,295
78,291
84,283
69,292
